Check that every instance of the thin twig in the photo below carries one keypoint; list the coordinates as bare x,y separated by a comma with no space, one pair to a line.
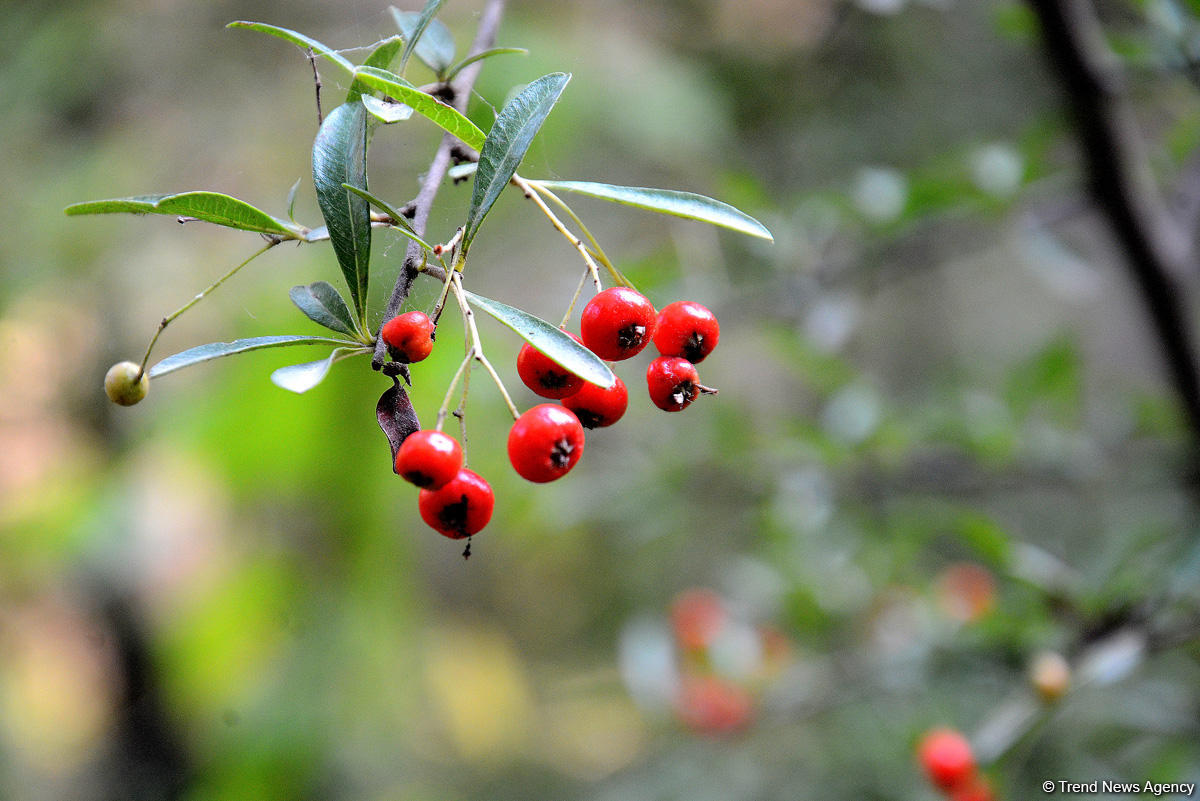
312,60
575,241
476,347
164,322
485,37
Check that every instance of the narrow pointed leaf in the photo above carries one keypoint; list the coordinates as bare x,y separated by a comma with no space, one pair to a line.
381,57
401,224
435,45
212,207
300,378
550,340
340,157
385,111
667,201
216,350
414,33
396,417
291,199
446,117
506,143
325,306
298,39
495,51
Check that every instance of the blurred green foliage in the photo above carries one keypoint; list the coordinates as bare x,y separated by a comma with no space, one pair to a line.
942,445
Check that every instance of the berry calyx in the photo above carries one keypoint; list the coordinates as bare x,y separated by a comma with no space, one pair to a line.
429,459
126,383
408,336
617,323
459,509
597,407
545,443
686,329
946,758
545,376
674,383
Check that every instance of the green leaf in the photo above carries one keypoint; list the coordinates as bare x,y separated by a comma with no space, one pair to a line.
322,304
386,111
340,157
668,201
550,340
291,199
447,117
298,39
495,51
381,57
427,37
417,31
300,378
216,350
399,222
506,143
212,207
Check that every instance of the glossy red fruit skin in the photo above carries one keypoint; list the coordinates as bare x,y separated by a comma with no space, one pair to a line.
459,509
429,459
946,758
545,443
596,407
617,323
409,336
673,383
686,329
544,376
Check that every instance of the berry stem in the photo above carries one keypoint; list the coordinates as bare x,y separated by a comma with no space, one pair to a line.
476,348
575,299
272,242
595,249
445,408
576,242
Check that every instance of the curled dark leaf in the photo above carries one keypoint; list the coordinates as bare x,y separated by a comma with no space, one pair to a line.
396,416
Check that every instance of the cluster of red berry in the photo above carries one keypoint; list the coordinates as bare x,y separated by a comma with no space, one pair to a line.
950,765
546,441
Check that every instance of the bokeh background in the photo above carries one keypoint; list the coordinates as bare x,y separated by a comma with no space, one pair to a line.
943,443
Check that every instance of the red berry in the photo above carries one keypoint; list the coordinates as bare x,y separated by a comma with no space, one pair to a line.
976,788
409,336
617,323
714,706
429,459
697,616
596,407
946,757
674,383
459,509
545,376
545,443
686,329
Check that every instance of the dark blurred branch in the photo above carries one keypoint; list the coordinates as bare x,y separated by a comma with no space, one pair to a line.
1155,247
460,91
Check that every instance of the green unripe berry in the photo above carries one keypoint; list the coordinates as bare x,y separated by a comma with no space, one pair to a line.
122,385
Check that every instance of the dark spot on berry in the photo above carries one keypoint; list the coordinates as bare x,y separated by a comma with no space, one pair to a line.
631,336
454,515
693,349
560,454
587,418
684,392
552,379
418,478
